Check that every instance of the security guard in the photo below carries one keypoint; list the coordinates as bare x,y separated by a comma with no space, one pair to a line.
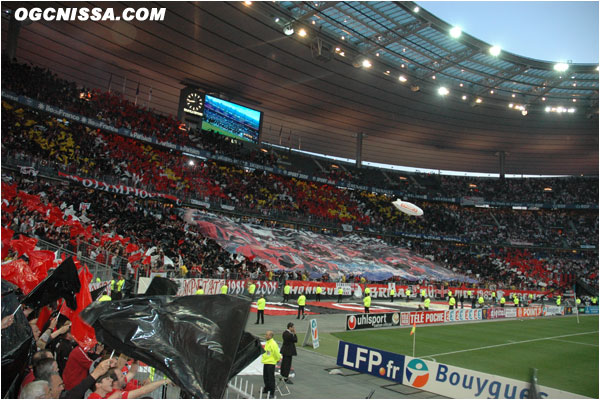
367,303
340,294
200,290
451,303
469,293
224,289
270,358
426,303
392,294
449,293
493,298
318,293
407,292
286,292
481,301
502,301
516,300
578,302
594,300
252,289
558,300
423,294
105,297
367,291
530,298
260,309
301,304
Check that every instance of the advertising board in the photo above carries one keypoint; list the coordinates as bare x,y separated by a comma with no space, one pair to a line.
526,312
494,313
463,314
364,321
443,379
371,361
422,317
455,382
553,310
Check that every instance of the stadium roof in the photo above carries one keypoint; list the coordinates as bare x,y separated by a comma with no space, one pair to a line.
317,98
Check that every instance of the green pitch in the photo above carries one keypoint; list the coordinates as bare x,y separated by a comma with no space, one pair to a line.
564,352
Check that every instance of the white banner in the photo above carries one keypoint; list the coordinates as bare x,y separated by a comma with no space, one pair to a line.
188,287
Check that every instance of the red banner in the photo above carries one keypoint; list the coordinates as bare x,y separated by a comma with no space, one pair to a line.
118,189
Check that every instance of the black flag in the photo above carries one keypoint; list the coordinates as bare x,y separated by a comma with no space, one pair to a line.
63,282
162,287
98,292
193,340
17,342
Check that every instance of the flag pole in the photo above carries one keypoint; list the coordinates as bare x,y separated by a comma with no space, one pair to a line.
414,341
575,302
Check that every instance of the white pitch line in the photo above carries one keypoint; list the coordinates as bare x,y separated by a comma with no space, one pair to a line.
568,341
509,344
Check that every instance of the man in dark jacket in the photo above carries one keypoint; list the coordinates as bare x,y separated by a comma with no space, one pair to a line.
288,349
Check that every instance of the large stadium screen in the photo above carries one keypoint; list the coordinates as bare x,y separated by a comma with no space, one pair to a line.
231,119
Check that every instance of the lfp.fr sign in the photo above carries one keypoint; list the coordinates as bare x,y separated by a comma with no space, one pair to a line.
371,361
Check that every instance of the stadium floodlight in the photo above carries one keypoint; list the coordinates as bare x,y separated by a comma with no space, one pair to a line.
571,110
455,32
561,67
288,30
524,112
478,101
511,105
443,91
302,32
191,162
464,97
416,9
402,78
366,63
495,51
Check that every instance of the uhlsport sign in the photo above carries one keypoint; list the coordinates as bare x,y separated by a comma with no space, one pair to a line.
363,321
436,377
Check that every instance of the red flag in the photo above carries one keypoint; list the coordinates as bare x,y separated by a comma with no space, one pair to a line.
7,234
104,239
82,332
40,261
132,247
23,245
147,260
43,317
8,191
135,257
19,273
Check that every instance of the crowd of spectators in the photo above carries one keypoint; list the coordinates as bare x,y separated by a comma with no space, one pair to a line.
75,148
110,157
112,109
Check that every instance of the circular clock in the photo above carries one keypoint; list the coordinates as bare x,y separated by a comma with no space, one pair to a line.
193,102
